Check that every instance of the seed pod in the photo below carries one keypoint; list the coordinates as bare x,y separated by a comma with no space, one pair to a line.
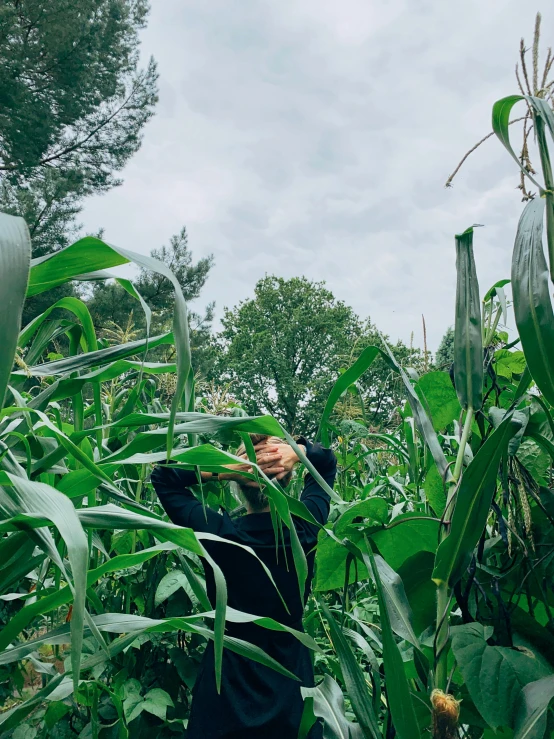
468,336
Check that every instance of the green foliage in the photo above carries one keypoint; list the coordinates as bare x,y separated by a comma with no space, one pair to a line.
75,102
283,348
444,357
435,569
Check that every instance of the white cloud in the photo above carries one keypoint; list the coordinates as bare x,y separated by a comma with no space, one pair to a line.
314,137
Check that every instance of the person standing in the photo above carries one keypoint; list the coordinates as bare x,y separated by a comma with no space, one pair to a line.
255,701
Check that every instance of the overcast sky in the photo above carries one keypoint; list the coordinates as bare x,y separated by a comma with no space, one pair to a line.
314,137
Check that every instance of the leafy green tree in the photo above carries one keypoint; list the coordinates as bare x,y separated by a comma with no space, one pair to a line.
111,305
74,102
284,349
445,352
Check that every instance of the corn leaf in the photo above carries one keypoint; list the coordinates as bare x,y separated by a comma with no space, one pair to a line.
398,690
473,501
532,304
468,337
15,257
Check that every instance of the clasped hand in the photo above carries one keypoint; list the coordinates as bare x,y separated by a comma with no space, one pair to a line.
274,460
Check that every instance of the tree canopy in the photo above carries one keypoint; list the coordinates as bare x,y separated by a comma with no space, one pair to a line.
74,102
284,349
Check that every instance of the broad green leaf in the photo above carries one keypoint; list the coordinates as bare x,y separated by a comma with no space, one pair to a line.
405,536
156,702
328,704
86,255
473,501
169,584
507,363
375,510
494,676
438,395
531,714
15,258
331,564
468,336
349,377
532,302
434,489
354,679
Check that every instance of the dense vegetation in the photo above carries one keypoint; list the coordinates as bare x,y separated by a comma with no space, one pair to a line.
433,601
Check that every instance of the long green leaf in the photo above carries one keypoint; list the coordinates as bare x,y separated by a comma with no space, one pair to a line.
15,257
349,377
354,679
398,690
422,420
468,336
532,303
35,498
473,501
501,111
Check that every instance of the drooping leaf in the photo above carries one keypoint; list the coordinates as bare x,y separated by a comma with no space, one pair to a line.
354,679
349,377
328,704
423,423
532,303
398,690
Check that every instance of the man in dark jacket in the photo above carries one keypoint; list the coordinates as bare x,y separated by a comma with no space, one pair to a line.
256,702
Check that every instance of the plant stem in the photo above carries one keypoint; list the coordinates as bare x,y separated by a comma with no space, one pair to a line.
443,591
441,670
463,442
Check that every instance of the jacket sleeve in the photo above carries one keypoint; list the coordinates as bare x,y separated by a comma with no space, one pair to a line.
172,488
314,497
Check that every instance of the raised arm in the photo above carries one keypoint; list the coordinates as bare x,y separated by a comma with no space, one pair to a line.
314,496
172,487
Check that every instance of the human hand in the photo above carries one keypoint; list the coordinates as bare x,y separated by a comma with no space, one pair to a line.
288,458
267,459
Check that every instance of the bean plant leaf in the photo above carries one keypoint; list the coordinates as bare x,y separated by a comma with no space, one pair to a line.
436,391
493,675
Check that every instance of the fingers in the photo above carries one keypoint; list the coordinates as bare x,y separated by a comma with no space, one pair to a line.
266,446
275,470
